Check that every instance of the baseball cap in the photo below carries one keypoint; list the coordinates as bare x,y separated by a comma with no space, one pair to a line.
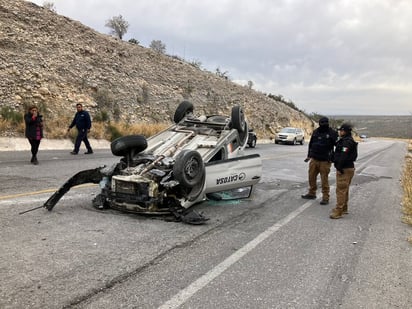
345,127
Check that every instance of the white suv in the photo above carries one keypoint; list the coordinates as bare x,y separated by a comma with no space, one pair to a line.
290,135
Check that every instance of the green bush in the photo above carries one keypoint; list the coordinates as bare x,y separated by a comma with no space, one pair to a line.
114,132
101,116
7,113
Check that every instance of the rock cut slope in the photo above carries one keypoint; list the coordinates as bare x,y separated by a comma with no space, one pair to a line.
55,62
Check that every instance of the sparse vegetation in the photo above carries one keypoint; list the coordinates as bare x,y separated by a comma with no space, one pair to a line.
188,89
10,115
158,46
407,189
145,93
222,74
102,116
104,98
49,5
134,41
280,98
118,26
117,129
333,122
196,63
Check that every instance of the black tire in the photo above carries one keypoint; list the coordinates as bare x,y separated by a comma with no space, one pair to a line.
123,145
253,143
184,108
302,141
189,168
238,119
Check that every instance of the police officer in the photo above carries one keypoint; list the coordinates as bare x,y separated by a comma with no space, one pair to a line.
83,124
320,152
345,154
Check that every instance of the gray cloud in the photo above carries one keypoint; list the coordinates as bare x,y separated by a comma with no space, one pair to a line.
332,57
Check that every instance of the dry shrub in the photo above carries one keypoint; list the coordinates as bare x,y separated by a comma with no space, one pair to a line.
99,130
139,129
7,126
56,128
111,130
407,189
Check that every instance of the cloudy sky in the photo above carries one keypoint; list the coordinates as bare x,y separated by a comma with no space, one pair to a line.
332,57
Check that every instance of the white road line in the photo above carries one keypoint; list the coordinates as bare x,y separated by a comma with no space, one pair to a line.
181,297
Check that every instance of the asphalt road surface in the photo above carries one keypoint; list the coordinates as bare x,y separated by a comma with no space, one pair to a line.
274,250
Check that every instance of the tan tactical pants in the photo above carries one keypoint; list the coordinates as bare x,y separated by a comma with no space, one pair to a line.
323,168
342,188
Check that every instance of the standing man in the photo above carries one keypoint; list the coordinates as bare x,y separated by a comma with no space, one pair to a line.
34,131
83,124
346,153
320,153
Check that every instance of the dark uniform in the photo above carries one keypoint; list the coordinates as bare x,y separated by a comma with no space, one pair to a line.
320,153
83,124
345,154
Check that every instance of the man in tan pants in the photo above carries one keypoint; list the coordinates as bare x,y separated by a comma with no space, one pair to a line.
317,167
320,152
345,154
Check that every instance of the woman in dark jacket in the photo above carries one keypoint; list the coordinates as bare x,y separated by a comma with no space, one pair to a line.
346,152
34,131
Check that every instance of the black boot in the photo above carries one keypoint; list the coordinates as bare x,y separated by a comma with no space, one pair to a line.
32,159
35,162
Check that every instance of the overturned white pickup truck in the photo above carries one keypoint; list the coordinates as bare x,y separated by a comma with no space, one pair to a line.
196,158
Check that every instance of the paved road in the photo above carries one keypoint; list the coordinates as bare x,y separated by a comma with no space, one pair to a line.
274,250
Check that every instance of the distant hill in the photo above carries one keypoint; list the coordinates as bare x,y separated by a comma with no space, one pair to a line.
381,126
55,62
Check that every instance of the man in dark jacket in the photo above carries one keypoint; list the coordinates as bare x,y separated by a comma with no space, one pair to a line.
83,124
320,153
345,154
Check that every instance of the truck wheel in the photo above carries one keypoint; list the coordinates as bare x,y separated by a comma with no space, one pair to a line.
123,145
189,168
238,119
184,108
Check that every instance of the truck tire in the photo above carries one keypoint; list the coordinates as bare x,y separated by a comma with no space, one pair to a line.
123,145
189,168
184,108
238,119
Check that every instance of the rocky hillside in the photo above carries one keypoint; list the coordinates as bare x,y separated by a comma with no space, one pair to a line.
55,62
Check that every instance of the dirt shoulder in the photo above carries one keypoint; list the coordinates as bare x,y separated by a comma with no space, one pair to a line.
21,144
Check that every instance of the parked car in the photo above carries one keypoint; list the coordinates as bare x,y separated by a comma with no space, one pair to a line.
195,158
251,139
290,135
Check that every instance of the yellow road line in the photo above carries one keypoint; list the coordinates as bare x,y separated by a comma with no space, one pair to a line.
6,197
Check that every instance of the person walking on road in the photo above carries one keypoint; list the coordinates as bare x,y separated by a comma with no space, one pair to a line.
34,131
320,152
83,124
346,153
